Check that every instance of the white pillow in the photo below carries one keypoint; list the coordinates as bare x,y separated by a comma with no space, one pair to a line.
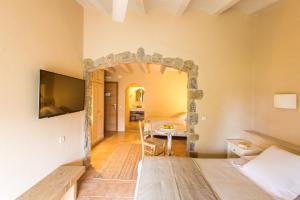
180,116
276,171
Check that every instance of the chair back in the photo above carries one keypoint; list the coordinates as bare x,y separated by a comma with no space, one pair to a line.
147,129
142,138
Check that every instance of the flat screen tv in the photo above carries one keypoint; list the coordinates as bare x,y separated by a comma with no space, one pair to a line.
59,94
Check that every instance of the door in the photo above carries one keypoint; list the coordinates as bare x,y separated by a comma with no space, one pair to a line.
111,106
97,82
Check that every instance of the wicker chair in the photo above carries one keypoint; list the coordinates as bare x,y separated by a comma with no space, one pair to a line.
150,145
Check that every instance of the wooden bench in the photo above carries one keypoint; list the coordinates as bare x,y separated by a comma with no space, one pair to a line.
60,184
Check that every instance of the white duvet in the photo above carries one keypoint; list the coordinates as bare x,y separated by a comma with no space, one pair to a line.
157,123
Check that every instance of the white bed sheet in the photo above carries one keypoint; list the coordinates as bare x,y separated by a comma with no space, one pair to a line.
179,125
228,182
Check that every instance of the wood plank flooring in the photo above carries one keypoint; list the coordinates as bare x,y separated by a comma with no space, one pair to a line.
93,187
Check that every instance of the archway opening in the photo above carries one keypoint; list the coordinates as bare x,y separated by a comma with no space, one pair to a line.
134,106
121,59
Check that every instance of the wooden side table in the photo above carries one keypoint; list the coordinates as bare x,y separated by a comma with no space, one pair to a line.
234,150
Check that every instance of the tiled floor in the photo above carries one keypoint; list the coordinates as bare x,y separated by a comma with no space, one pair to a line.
93,188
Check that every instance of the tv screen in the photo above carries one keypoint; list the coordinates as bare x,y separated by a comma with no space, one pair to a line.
60,94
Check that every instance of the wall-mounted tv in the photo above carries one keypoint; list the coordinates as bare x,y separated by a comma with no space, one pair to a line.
59,94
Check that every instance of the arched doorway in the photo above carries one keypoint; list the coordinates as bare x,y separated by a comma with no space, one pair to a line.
111,60
134,106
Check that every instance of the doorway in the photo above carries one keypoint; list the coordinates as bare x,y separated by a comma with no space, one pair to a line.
111,106
135,108
121,59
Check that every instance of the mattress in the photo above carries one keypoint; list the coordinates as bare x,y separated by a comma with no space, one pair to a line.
157,123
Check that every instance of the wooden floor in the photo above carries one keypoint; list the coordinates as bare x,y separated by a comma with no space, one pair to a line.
91,187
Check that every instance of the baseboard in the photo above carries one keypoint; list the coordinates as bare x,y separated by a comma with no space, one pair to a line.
75,163
208,155
97,143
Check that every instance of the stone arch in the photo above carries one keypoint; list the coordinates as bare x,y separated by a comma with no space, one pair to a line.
127,57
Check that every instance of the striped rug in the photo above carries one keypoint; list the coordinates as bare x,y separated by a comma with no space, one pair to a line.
123,163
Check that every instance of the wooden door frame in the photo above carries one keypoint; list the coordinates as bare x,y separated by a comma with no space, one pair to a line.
117,106
97,78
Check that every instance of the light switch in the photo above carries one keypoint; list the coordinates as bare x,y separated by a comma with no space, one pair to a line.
203,118
61,139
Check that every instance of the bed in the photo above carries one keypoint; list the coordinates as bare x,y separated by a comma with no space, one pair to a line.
210,179
178,121
186,178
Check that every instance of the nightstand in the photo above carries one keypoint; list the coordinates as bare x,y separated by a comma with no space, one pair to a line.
233,150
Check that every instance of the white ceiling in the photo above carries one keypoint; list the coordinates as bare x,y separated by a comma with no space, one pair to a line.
118,8
252,6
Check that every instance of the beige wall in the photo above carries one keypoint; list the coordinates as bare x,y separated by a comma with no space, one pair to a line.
36,34
159,88
48,34
219,45
276,69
